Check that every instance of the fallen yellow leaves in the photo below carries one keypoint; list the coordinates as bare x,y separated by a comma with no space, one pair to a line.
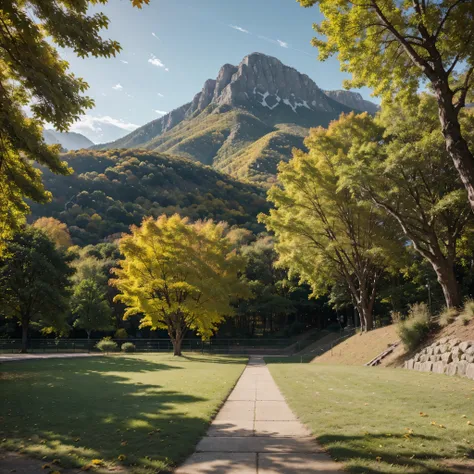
121,457
423,414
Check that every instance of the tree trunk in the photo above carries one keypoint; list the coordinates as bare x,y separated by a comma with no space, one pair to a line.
88,335
369,318
177,346
24,336
447,279
456,145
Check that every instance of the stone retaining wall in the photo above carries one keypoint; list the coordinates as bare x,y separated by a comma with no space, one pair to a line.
446,356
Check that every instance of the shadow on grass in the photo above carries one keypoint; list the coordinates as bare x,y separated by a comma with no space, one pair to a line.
303,359
102,408
215,359
388,452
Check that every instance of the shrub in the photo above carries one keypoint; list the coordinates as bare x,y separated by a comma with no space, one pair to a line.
128,347
447,316
107,345
416,327
396,317
467,314
121,333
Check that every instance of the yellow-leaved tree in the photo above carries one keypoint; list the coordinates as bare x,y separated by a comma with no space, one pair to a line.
179,275
56,230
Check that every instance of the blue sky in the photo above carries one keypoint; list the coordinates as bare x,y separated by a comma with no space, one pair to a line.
171,47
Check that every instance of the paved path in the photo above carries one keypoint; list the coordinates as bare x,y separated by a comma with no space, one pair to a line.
255,432
55,355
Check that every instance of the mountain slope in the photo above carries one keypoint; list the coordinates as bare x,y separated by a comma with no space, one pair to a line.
68,140
109,191
225,124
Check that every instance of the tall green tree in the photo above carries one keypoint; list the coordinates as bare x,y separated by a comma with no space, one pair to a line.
323,234
395,46
270,302
32,74
409,174
90,306
179,275
34,281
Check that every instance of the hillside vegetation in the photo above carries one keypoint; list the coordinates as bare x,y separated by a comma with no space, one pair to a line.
234,141
109,191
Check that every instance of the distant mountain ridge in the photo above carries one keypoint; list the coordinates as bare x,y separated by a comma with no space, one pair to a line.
68,140
245,121
353,100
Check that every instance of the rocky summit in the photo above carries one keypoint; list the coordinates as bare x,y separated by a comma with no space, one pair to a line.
246,120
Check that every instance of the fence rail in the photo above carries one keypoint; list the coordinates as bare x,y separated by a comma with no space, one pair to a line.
220,346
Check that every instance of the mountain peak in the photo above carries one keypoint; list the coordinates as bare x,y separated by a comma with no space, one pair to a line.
246,120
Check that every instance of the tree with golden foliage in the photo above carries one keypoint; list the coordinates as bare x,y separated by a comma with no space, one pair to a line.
179,275
56,230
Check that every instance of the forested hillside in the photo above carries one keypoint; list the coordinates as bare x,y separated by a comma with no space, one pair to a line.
109,191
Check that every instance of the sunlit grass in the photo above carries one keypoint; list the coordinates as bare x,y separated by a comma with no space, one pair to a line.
379,420
142,411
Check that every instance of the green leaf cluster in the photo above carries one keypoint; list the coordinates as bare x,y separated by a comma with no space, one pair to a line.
33,76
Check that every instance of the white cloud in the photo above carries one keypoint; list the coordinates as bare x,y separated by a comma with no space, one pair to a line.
160,94
281,43
90,122
117,87
123,61
156,62
155,36
161,112
239,28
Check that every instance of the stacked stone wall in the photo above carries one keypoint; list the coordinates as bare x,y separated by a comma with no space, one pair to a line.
446,356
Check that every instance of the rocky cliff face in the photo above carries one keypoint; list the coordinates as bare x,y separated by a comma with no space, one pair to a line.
353,100
267,82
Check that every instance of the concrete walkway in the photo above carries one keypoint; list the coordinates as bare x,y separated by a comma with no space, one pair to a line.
255,432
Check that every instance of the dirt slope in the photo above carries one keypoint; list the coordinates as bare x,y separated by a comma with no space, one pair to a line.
361,348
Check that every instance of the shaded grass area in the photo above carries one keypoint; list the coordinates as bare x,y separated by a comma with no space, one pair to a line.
378,420
146,411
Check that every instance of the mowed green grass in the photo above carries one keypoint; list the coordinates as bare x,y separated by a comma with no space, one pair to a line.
379,420
145,411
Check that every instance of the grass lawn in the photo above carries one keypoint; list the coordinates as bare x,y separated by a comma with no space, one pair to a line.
145,411
379,420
